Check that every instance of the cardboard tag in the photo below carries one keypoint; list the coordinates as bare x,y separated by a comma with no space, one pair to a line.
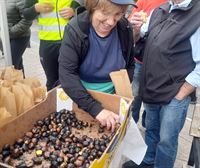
123,110
122,83
63,100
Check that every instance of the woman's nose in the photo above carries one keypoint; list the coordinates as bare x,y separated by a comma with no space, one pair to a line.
111,21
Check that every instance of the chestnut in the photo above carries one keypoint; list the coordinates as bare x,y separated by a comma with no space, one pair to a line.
15,153
19,142
54,164
70,165
29,163
6,147
60,160
52,157
7,159
21,164
85,143
46,165
25,147
100,130
72,160
5,153
78,163
31,145
47,154
37,160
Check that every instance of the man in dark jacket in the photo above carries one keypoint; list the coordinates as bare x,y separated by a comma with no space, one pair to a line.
96,42
170,73
19,31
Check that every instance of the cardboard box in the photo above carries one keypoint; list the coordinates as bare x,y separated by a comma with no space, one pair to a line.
17,127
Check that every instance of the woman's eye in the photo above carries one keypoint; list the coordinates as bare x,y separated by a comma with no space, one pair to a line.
105,13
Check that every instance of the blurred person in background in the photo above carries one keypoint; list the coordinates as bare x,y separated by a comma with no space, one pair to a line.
145,7
52,17
19,31
96,42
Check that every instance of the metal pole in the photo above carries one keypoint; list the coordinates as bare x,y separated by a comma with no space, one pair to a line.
4,33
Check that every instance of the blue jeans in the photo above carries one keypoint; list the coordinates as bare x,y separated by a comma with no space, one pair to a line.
137,99
163,125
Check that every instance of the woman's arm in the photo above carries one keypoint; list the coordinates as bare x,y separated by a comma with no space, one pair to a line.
69,62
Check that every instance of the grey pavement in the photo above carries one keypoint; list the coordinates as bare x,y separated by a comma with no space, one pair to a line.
33,67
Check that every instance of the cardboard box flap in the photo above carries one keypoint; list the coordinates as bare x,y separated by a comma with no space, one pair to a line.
122,83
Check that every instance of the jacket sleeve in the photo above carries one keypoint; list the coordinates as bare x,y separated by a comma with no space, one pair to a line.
131,65
69,60
23,25
130,54
76,3
29,11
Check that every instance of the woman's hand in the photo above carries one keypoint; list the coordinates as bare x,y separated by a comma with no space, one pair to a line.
45,7
108,118
66,13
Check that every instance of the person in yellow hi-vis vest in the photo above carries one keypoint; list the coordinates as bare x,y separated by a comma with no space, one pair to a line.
52,17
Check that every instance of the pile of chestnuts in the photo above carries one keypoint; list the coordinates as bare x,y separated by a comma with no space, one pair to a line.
53,143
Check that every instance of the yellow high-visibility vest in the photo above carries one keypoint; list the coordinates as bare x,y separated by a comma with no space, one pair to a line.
51,25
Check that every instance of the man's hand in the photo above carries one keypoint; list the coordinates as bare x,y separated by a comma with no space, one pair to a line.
137,20
108,118
184,91
66,13
44,7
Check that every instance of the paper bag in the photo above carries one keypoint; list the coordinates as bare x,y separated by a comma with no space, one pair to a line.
7,83
1,82
23,96
7,100
5,116
122,83
33,82
39,93
1,72
10,73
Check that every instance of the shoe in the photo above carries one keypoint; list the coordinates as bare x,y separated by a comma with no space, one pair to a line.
131,164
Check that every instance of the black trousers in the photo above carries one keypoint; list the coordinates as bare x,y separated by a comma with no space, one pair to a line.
18,46
49,52
194,158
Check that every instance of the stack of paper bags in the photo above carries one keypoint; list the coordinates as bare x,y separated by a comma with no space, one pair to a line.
18,94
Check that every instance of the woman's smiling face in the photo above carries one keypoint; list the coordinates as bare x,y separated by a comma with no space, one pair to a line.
104,21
